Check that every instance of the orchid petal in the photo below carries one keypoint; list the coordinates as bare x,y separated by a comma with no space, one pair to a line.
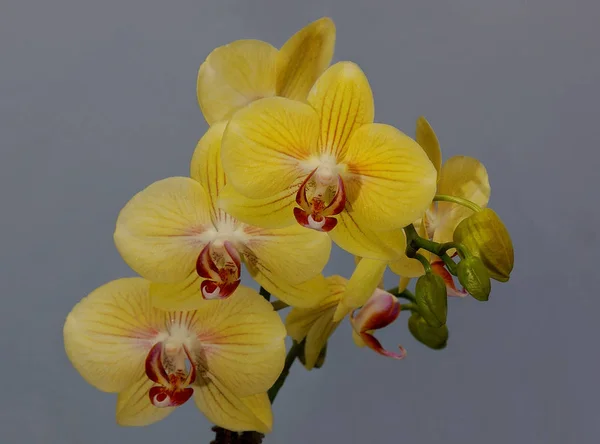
344,101
389,181
108,334
241,340
275,211
304,57
315,325
159,231
304,294
380,310
463,177
404,281
291,254
206,168
373,343
361,241
265,144
362,284
226,409
425,136
134,407
234,75
178,296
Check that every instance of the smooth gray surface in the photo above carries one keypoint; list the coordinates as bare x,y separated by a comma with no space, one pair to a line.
97,100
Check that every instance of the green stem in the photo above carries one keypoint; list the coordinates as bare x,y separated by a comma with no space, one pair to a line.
450,264
265,294
463,252
406,294
415,242
279,305
457,200
424,262
289,360
410,306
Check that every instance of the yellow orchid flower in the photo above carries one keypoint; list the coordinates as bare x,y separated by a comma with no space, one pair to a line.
315,325
326,166
174,234
226,354
236,74
459,176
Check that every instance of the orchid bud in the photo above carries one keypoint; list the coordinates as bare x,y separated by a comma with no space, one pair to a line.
486,237
431,298
433,337
474,277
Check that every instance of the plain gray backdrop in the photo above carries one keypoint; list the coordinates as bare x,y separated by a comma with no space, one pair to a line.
97,100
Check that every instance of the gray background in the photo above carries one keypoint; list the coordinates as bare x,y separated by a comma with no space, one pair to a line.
97,100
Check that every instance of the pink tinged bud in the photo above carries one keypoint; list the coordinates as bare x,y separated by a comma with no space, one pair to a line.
380,310
222,277
451,290
172,388
316,214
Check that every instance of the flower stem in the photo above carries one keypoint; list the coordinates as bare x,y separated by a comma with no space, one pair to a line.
406,294
457,200
265,294
224,436
289,360
414,242
410,306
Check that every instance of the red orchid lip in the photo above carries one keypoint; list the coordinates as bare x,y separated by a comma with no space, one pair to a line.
172,389
380,311
223,279
315,213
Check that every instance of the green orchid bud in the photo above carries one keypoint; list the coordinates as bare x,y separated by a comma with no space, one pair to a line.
431,298
433,337
473,275
486,237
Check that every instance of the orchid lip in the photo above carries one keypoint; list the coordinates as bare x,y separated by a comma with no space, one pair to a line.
221,277
316,213
173,384
380,311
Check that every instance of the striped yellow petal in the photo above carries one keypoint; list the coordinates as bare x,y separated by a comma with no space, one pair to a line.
178,296
206,167
275,211
361,241
159,231
293,254
389,181
134,407
360,288
226,409
234,75
242,341
108,333
344,101
304,294
304,57
464,177
429,142
265,145
316,324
